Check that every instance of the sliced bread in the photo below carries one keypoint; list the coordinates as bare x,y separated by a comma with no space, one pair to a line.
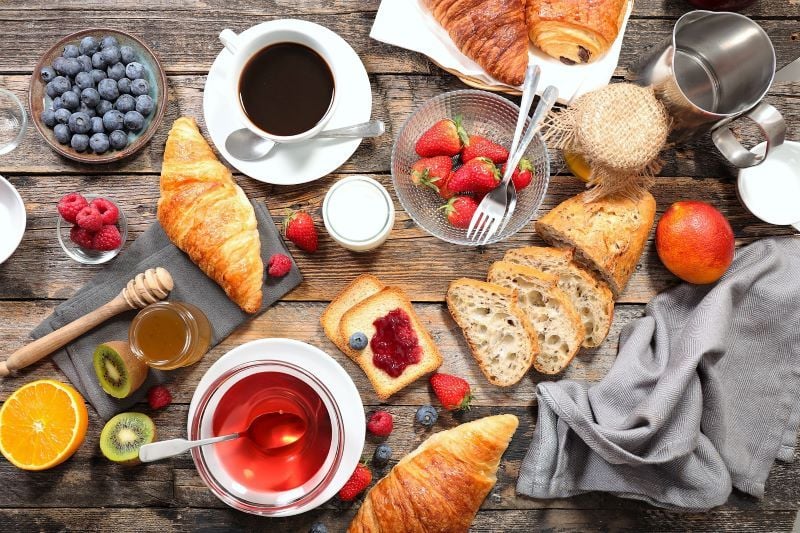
361,318
359,289
549,310
502,340
591,297
608,235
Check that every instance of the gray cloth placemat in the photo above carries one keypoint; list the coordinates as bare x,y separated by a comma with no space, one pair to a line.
704,394
153,249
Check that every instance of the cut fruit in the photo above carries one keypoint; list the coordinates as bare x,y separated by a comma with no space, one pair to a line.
42,424
119,372
124,434
578,165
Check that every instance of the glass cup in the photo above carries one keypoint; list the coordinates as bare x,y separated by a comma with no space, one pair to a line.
13,121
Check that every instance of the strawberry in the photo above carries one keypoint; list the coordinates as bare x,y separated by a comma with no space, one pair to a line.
69,206
482,147
380,423
522,175
431,171
459,210
159,397
452,391
478,175
279,265
360,480
108,238
446,137
444,188
299,228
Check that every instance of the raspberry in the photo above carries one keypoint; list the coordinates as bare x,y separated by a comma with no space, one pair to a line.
81,237
279,265
69,206
108,238
159,397
380,423
109,212
89,218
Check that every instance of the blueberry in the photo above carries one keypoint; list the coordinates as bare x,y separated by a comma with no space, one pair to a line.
98,61
111,55
72,67
50,90
58,65
80,123
99,143
97,125
90,97
79,142
62,133
134,70
49,118
71,51
47,74
139,86
358,341
427,415
118,139
77,90
57,104
382,455
60,85
84,80
70,100
134,121
83,108
113,120
125,103
89,45
144,104
98,75
116,71
108,89
85,63
318,527
124,86
127,54
108,41
103,107
62,115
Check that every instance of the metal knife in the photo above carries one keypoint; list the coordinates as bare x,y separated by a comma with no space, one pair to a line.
790,72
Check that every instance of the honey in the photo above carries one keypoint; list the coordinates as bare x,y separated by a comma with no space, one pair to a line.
169,335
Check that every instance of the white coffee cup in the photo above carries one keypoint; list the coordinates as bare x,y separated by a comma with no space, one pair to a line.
771,190
246,45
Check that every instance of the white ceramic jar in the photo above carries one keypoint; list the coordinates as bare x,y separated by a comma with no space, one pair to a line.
358,213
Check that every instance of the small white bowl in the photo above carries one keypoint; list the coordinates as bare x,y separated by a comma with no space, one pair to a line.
358,213
12,216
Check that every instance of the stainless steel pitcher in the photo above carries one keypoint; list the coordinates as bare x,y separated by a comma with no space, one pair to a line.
716,68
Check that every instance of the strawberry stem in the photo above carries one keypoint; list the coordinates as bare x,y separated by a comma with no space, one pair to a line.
462,133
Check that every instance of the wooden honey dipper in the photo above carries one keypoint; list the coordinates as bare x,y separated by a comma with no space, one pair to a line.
151,286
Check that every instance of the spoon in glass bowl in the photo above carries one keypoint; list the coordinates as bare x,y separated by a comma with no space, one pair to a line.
268,431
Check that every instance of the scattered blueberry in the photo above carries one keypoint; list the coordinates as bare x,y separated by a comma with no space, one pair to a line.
80,123
85,62
97,125
62,115
382,455
125,103
71,66
113,120
98,75
427,415
108,41
70,100
116,71
134,70
83,108
49,118
124,86
103,107
318,527
89,45
127,54
84,80
145,104
47,74
71,51
58,64
134,121
118,139
79,142
108,89
139,87
358,341
111,55
62,133
99,143
90,97
98,62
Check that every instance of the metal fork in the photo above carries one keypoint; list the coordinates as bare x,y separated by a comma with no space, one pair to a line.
496,207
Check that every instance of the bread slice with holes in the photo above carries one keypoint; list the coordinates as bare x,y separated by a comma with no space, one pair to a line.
362,317
590,297
502,340
549,310
358,290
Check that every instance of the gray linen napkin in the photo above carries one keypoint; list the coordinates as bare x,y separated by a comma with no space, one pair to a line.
152,249
703,394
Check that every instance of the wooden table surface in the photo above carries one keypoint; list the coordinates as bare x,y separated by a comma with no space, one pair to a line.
88,492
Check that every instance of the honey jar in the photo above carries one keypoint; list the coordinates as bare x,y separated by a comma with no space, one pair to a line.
169,335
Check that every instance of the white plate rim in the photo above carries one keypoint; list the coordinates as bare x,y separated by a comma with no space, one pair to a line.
759,150
24,219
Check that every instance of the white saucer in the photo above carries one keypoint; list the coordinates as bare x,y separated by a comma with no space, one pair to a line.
300,162
12,219
771,190
324,367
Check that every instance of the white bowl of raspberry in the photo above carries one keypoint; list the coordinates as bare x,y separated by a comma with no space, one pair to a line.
91,229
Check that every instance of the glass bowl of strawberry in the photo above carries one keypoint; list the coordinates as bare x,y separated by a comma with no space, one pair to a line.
91,229
452,151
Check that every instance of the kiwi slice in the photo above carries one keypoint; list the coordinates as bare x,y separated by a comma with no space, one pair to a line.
119,372
124,434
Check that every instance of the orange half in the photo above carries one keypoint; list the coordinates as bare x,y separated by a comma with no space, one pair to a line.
42,424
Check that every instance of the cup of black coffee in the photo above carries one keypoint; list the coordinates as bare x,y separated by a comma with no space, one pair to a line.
282,80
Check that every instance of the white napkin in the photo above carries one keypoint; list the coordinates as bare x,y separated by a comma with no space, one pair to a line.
398,23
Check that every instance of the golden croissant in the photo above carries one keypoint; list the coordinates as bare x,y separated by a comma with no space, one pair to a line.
209,217
490,32
439,486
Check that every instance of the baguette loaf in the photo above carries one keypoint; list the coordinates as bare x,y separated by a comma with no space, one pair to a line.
548,308
502,340
591,297
608,235
359,289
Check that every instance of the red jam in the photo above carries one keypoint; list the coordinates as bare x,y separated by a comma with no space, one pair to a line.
395,345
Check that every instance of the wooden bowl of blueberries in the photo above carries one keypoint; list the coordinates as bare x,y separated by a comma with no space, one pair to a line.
98,95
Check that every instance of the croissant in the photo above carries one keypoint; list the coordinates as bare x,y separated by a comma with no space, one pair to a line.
439,486
574,31
490,32
205,214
